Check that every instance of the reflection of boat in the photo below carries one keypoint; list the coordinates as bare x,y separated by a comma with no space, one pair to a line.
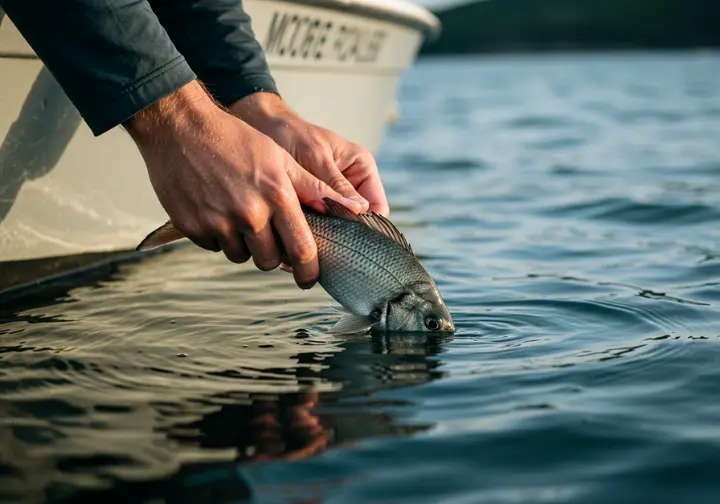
68,199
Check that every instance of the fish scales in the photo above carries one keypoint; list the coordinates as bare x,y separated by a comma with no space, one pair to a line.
358,266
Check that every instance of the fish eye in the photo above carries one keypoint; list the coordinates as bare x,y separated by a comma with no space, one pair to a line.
433,322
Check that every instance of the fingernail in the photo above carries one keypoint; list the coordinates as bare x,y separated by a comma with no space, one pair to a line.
307,286
356,200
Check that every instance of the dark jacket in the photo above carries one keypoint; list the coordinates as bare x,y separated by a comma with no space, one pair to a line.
115,57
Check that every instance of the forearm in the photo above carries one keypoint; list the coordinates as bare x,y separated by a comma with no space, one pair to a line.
111,57
184,111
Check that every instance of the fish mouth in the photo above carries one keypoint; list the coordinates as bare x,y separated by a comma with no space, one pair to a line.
449,326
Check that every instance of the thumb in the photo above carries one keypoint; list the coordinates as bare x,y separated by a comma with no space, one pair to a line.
311,190
323,166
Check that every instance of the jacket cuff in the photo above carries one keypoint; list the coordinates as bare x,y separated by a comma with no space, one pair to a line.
237,85
138,95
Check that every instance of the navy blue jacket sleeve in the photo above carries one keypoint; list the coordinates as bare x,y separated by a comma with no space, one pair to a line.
112,57
217,39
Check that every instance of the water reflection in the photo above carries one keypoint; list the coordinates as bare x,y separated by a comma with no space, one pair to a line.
296,425
199,443
258,428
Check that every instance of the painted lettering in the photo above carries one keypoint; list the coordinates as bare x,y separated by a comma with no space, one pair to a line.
304,37
278,25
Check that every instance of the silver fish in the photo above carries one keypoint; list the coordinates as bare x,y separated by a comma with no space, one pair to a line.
368,267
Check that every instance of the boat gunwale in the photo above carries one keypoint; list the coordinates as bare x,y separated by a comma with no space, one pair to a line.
410,15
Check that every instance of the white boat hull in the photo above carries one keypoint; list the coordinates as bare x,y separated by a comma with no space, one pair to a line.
65,192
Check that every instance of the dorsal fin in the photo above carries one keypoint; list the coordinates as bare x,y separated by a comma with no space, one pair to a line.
335,209
371,219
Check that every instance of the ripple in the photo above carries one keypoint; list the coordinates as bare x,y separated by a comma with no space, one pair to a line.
541,122
460,164
644,115
628,211
606,313
557,143
698,169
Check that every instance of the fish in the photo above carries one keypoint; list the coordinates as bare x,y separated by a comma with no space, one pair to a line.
368,267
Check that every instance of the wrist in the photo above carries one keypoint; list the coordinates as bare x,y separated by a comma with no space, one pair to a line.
262,110
183,110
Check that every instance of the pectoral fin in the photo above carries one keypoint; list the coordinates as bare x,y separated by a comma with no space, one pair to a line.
340,308
353,324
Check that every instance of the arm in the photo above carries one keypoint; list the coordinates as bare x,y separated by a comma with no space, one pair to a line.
111,57
227,186
217,39
223,184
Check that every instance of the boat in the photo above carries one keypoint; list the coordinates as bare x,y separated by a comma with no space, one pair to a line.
69,200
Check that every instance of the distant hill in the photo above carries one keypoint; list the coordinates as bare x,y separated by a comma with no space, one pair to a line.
537,25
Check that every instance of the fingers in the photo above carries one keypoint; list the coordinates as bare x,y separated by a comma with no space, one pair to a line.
210,244
298,243
311,190
217,234
324,168
234,248
373,191
371,186
277,230
263,248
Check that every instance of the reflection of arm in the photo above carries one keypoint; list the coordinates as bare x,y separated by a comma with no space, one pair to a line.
112,57
217,39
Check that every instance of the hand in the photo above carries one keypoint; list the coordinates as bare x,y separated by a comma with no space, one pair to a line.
287,428
227,186
345,166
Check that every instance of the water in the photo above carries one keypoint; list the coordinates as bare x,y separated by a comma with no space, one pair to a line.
569,209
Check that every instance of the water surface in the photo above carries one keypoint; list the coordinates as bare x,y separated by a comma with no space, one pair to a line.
569,209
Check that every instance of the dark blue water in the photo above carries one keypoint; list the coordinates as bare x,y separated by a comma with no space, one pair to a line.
569,209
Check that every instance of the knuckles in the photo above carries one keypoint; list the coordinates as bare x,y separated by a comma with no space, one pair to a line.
250,214
358,154
279,195
219,227
338,182
366,159
303,252
254,226
311,145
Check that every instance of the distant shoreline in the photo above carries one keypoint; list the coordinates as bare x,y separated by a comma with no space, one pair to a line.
573,50
539,26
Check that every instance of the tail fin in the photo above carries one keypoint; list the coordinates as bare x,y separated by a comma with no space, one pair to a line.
161,236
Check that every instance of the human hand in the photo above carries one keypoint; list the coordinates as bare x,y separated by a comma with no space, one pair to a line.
287,428
227,186
346,166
